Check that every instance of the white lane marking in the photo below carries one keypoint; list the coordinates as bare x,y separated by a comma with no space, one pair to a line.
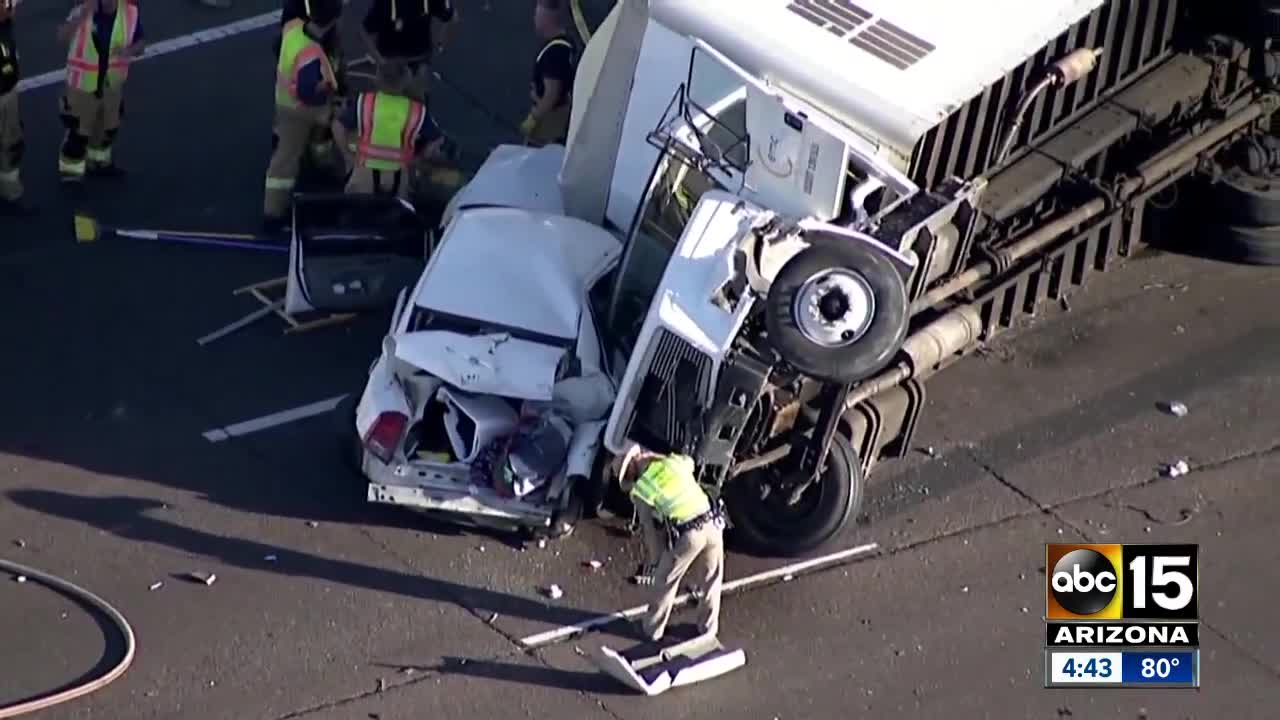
561,633
269,421
184,42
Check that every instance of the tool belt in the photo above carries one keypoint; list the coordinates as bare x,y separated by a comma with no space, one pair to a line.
714,515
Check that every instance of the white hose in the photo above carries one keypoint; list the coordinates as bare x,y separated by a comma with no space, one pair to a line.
73,590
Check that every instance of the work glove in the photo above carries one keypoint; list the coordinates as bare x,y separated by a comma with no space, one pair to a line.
527,126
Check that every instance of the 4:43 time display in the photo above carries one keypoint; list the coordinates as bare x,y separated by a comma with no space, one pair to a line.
1093,667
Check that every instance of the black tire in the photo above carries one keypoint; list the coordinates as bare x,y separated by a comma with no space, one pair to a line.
1248,200
350,448
760,529
563,520
881,339
1252,245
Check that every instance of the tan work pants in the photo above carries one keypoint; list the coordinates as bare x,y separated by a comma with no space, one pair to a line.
94,121
11,147
297,131
700,552
363,181
552,128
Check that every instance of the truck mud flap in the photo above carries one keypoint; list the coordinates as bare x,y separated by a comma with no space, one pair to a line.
686,663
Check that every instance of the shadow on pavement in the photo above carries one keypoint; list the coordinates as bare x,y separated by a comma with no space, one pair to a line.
526,674
127,518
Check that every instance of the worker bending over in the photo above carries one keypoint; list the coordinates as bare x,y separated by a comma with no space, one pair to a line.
410,33
552,87
305,92
11,142
105,37
682,528
384,132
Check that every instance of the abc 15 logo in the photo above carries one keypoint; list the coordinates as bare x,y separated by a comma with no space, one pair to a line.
1122,582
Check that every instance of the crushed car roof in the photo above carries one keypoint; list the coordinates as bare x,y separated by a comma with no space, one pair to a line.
516,268
890,68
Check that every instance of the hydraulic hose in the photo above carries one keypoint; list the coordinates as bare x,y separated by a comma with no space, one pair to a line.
70,589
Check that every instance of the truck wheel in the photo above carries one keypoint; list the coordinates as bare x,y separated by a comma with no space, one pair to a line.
767,523
1253,245
837,311
1245,199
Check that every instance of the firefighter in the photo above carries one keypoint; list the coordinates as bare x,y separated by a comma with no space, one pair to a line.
332,40
105,37
11,142
409,32
551,90
384,132
682,528
305,92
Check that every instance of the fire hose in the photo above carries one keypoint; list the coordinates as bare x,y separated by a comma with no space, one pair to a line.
72,590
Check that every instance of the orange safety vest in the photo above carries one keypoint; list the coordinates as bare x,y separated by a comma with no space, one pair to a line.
83,59
297,50
389,126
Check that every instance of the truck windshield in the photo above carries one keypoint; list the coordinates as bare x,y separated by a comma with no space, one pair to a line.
673,194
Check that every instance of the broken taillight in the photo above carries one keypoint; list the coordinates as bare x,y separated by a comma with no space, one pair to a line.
384,437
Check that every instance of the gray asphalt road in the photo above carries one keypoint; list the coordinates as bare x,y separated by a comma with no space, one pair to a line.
366,612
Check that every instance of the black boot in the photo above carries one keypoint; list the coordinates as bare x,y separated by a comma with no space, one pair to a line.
16,208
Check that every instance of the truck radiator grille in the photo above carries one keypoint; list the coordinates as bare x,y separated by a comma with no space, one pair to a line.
1135,34
672,393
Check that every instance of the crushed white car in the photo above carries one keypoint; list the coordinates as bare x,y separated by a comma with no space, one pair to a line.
489,397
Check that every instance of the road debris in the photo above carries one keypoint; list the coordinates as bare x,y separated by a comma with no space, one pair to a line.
788,577
382,685
312,524
542,543
1174,408
1176,469
493,618
593,564
964,589
20,579
207,579
20,543
554,592
155,586
270,558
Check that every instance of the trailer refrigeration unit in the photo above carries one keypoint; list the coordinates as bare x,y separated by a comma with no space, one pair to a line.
821,204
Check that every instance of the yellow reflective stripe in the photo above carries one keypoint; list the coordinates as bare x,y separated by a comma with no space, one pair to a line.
280,183
9,175
99,154
71,167
558,42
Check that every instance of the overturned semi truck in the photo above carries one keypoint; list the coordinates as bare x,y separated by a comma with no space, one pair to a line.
910,177
775,226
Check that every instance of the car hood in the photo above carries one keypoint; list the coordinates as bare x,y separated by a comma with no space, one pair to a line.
517,269
496,364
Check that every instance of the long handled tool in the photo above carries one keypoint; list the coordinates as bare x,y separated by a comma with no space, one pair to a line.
88,229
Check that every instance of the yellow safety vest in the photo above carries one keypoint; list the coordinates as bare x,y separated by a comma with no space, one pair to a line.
387,126
83,59
297,49
670,488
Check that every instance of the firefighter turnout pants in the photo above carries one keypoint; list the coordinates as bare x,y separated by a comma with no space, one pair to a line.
297,131
11,148
698,553
92,122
